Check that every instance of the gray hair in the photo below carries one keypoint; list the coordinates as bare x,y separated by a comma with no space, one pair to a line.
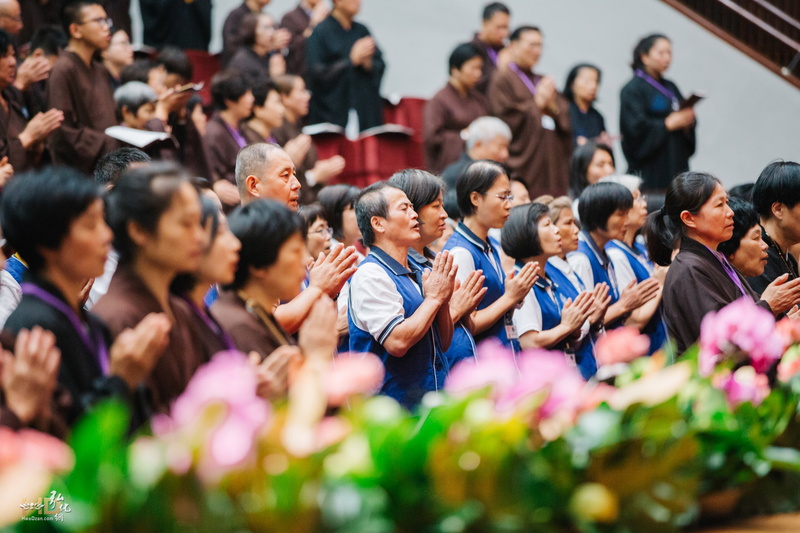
485,129
629,181
134,95
252,161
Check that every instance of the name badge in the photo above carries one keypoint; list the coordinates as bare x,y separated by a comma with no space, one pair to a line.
511,329
571,359
548,123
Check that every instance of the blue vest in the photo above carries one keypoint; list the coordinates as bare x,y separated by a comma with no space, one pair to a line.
494,282
423,367
550,306
584,353
463,344
656,328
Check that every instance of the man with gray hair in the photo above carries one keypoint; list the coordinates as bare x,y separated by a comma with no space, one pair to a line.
265,170
487,138
395,311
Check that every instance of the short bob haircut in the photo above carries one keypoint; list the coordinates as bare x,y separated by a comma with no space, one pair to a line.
778,182
568,93
601,200
663,230
421,187
336,199
371,202
479,177
520,235
263,227
210,213
461,54
579,163
643,47
37,210
141,196
132,96
261,89
745,218
228,86
311,213
248,29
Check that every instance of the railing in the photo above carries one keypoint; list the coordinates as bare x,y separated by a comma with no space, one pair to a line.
766,30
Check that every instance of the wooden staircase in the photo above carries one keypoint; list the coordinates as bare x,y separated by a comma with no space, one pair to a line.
766,30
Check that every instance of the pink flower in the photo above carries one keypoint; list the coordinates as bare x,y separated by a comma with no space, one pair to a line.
744,385
621,345
494,366
740,329
219,414
790,364
790,329
351,374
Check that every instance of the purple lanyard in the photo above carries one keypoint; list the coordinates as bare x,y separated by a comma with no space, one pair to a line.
659,87
237,136
525,79
492,53
212,325
726,266
98,348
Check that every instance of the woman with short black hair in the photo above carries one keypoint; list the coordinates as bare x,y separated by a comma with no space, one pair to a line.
54,219
154,212
580,89
696,217
484,199
453,108
546,319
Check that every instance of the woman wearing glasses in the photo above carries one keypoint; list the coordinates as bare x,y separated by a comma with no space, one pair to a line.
484,198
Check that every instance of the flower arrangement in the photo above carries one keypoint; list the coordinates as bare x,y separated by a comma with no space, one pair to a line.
511,444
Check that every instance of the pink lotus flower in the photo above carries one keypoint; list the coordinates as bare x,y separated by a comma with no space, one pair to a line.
744,385
351,374
219,414
740,329
494,366
789,365
790,329
621,345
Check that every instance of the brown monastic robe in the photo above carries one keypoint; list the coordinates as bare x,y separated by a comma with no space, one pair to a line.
249,334
221,150
84,95
12,123
446,114
489,66
296,21
537,155
126,303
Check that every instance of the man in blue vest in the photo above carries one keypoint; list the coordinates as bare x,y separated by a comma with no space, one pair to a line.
395,312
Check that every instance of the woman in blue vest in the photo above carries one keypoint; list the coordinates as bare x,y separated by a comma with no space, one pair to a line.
426,193
632,264
484,198
603,209
547,318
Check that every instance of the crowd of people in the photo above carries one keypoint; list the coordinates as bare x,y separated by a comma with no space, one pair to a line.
231,235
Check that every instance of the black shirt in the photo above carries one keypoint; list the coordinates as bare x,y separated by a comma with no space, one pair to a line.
778,263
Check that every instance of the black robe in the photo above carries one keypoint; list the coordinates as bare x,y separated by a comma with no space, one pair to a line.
296,21
186,25
776,265
336,85
653,153
697,284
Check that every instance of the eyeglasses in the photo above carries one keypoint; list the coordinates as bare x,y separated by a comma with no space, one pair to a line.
104,22
505,197
322,232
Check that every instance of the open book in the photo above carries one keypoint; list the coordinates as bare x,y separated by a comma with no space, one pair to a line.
137,138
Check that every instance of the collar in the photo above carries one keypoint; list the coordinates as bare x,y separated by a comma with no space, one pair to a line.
474,239
389,262
600,254
422,259
541,281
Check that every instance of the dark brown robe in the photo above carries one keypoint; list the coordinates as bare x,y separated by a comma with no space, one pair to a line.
12,123
84,95
38,13
296,21
126,303
489,67
231,40
249,334
286,133
221,150
537,155
446,114
697,284
250,64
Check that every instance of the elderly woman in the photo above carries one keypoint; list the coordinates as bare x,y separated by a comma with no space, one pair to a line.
700,278
746,249
453,108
